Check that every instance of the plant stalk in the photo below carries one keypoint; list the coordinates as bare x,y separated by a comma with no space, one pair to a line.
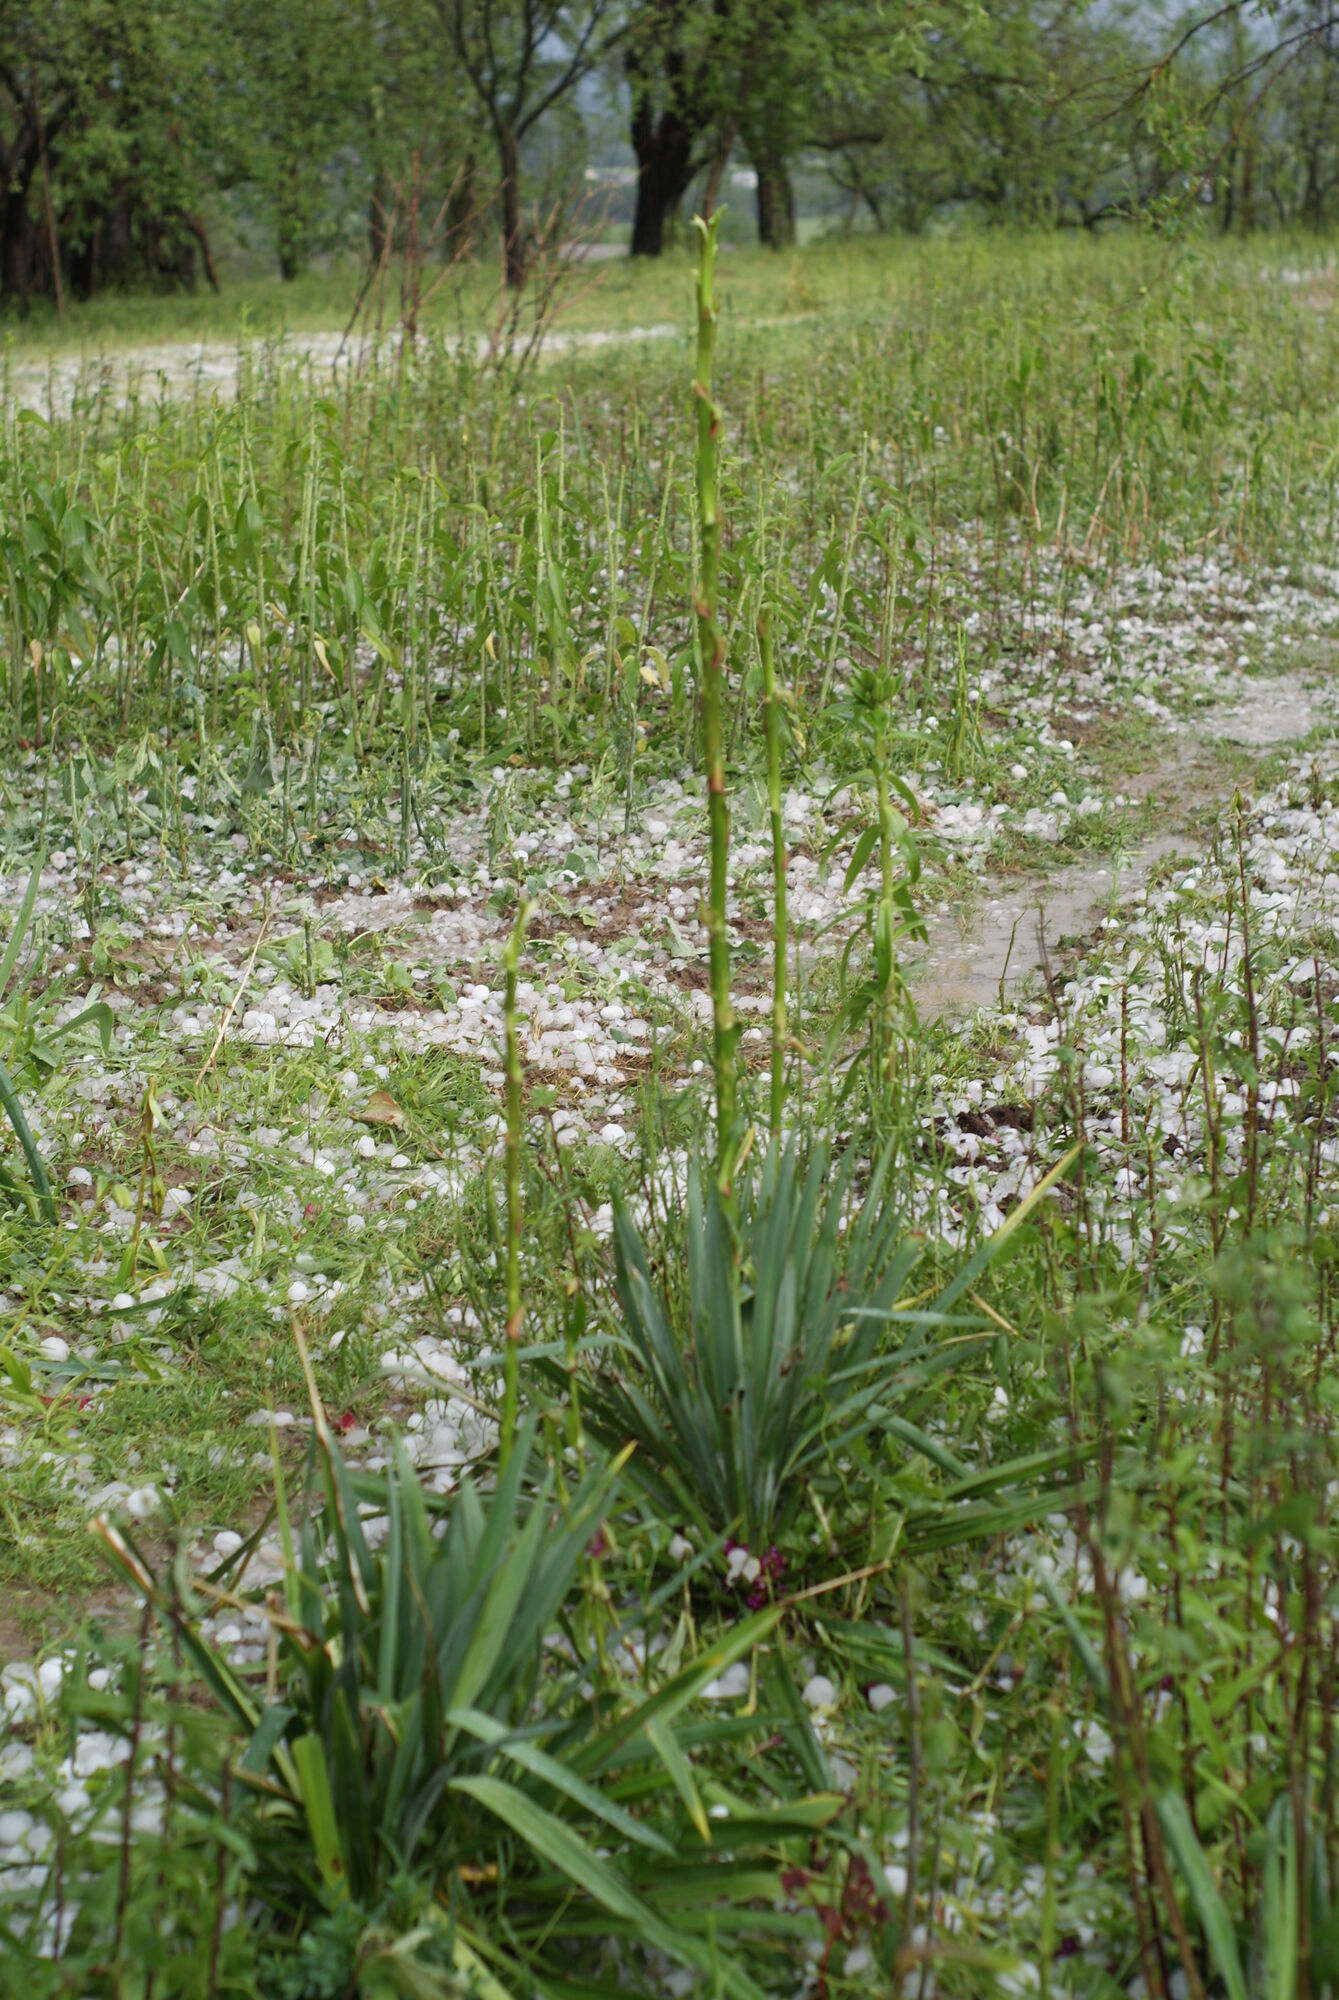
712,643
511,960
772,724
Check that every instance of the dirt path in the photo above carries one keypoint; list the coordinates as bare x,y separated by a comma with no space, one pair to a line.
984,956
174,368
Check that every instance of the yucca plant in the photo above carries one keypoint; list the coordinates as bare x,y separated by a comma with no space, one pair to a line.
788,1335
409,1735
739,1375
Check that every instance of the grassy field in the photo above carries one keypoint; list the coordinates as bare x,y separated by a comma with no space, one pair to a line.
411,1103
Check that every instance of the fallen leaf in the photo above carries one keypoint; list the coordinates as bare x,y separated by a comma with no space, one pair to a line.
380,1109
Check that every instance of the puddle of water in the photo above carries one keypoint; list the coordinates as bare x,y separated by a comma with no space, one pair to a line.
983,957
1268,711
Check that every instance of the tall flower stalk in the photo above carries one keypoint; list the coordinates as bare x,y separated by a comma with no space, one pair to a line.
511,959
772,726
711,640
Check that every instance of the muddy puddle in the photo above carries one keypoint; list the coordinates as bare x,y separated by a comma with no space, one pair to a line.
984,955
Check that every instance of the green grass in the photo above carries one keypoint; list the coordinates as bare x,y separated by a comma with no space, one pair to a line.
434,631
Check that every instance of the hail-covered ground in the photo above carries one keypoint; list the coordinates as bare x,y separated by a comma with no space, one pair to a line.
297,1116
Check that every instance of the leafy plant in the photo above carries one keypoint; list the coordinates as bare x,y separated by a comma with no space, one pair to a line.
888,913
729,1397
743,1378
410,1736
33,1039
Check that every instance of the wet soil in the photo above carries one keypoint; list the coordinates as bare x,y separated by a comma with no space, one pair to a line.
985,955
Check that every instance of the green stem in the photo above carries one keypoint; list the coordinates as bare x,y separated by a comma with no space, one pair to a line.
772,724
712,643
13,1110
885,921
511,959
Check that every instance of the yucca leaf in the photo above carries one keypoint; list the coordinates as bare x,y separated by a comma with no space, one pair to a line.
13,1110
269,1732
1055,1459
685,1686
540,1765
556,1842
309,1760
679,1771
1209,1906
1281,1902
1078,1638
928,1447
348,1790
390,1662
14,944
796,1726
493,1621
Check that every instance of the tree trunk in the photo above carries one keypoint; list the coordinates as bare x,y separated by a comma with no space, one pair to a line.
290,244
1230,193
664,149
776,205
48,210
513,238
16,243
657,198
379,204
460,211
1247,209
197,229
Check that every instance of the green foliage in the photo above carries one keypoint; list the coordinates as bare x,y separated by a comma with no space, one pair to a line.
760,1350
33,1039
372,632
412,1741
96,151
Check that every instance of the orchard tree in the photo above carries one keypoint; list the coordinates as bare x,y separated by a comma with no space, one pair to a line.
522,58
777,77
670,73
294,105
104,142
703,76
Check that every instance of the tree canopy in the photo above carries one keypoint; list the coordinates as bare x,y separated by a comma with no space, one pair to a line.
131,129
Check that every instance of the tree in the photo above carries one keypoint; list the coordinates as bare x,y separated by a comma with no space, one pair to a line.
1024,114
522,57
777,77
104,147
666,78
293,105
704,74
